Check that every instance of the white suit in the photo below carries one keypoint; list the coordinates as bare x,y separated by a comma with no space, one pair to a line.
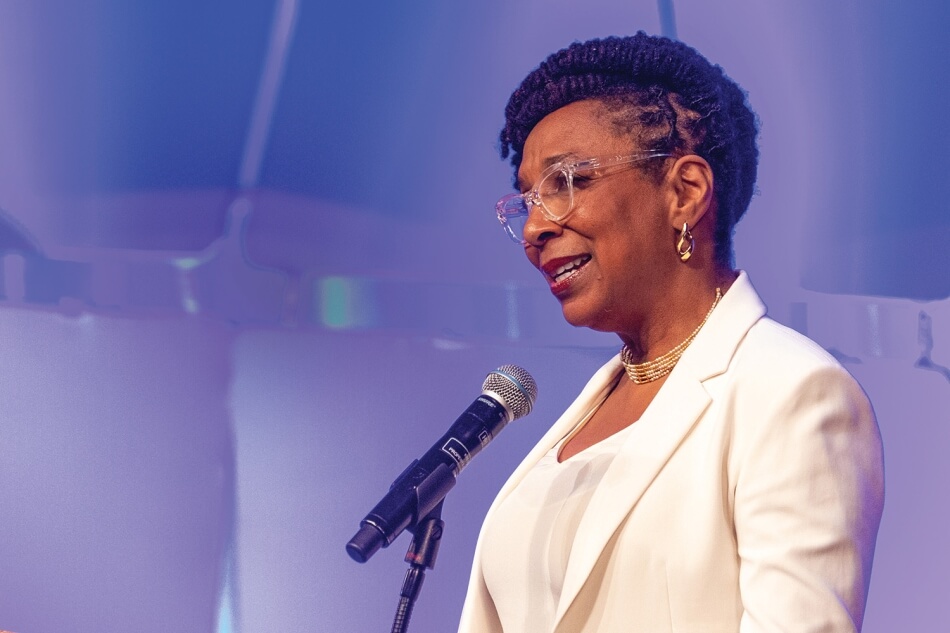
746,499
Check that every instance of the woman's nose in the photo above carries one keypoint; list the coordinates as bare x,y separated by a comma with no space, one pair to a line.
538,228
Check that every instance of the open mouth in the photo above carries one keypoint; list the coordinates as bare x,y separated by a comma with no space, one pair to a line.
570,268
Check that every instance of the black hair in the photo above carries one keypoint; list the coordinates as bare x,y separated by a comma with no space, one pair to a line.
666,95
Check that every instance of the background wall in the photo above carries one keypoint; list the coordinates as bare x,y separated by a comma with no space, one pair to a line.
250,270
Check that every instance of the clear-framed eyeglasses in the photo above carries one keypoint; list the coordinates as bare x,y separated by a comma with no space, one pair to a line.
554,195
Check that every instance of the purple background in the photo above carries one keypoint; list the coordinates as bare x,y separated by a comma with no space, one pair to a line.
250,270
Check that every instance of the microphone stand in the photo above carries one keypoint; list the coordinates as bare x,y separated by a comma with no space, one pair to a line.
421,555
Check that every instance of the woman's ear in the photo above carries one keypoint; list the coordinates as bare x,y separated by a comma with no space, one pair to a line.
691,180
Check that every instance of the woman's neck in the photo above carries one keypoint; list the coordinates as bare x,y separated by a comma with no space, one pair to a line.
673,319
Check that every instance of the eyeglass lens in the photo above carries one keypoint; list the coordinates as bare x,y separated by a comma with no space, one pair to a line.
554,193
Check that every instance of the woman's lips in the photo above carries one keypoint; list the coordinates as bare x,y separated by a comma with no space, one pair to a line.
563,272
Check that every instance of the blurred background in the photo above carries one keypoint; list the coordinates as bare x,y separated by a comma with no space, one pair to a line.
249,269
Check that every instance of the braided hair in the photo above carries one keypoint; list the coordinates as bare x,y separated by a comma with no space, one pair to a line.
666,96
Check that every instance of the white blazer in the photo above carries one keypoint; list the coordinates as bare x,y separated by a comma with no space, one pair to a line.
746,499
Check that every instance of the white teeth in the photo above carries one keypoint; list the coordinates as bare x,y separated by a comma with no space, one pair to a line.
570,266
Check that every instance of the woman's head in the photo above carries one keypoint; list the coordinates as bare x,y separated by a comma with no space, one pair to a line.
665,97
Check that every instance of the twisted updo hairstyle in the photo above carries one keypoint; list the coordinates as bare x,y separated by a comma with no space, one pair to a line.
666,96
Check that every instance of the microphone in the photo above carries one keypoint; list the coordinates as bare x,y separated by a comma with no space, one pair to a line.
508,393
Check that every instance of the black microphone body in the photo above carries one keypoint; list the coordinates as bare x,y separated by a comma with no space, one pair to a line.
427,480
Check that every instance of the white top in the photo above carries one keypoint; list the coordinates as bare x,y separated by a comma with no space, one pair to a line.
529,542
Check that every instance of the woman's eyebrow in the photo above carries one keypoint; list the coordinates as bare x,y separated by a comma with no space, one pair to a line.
547,162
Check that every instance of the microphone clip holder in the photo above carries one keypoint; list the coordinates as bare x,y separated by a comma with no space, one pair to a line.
413,496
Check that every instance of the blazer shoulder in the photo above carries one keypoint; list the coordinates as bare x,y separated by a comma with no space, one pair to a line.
769,343
778,376
774,363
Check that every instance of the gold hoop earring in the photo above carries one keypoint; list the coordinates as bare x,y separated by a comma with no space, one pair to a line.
686,239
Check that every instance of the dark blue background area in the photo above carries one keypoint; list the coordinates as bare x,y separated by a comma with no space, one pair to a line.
349,68
884,229
147,95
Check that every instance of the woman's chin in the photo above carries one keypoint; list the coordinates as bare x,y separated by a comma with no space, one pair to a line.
584,317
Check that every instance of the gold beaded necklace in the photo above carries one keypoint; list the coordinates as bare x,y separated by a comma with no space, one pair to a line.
651,370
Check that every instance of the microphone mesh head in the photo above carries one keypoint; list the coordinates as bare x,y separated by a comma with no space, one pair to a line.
515,387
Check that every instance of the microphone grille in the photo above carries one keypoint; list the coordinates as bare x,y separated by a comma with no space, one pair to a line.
516,388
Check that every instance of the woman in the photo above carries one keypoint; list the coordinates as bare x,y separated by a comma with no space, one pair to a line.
722,473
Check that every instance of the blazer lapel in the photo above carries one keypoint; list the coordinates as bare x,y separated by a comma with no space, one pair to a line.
659,432
656,437
475,609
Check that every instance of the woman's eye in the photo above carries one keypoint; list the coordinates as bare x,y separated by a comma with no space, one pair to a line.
582,180
554,184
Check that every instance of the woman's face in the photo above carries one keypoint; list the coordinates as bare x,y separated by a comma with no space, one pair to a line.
608,261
